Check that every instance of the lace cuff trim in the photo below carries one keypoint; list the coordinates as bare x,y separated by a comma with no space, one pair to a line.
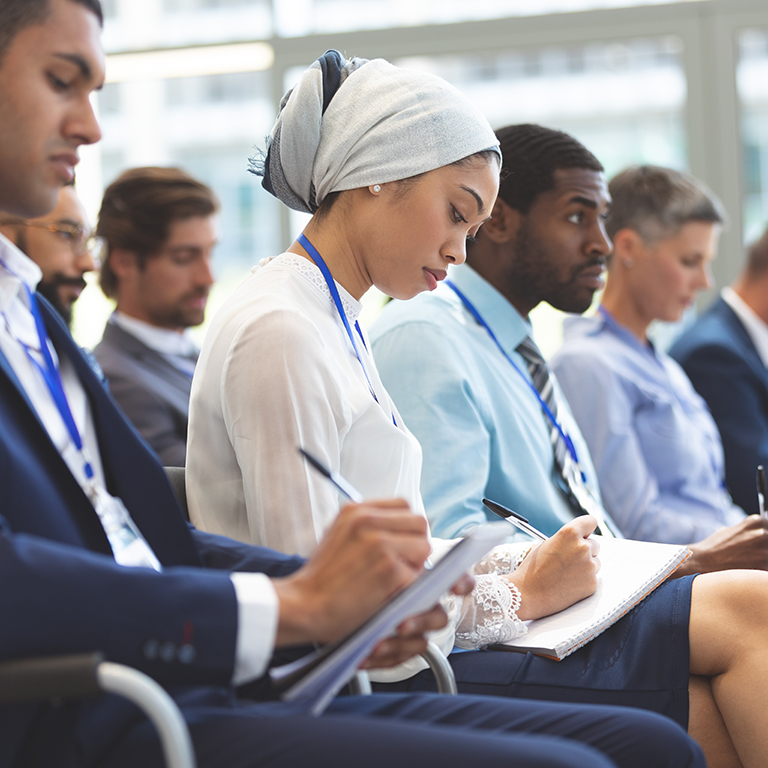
503,559
490,614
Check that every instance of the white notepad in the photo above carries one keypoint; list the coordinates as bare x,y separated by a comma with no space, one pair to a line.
630,571
315,679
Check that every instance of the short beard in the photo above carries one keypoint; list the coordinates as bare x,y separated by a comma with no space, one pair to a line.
534,277
50,290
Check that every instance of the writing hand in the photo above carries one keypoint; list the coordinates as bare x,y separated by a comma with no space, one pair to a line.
560,571
370,552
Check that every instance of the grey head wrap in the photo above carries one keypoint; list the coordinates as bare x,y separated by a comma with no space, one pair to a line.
350,124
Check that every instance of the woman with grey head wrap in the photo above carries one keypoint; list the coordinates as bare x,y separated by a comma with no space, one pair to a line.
351,124
398,169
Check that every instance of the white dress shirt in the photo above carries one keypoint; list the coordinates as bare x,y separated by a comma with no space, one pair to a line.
753,324
277,371
258,608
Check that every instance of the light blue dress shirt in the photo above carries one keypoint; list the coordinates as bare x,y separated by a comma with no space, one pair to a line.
481,427
656,448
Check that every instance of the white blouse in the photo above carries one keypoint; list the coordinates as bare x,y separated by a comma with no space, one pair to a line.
278,371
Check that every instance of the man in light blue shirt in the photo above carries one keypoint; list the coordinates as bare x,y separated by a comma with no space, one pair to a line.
479,423
473,408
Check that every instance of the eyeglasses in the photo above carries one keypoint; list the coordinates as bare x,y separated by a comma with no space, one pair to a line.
79,238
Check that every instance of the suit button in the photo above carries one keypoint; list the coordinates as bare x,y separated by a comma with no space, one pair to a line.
150,649
168,652
187,654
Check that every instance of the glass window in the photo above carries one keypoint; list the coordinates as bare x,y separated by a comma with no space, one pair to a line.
209,89
194,5
109,8
109,99
303,17
752,80
624,100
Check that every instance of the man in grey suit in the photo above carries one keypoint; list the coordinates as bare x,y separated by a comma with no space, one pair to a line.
159,228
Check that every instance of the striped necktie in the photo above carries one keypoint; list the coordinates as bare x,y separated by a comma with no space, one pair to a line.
543,383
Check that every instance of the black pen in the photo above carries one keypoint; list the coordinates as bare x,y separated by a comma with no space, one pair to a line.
512,517
343,485
761,494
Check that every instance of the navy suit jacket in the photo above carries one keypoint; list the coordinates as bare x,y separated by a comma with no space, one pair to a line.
722,363
62,592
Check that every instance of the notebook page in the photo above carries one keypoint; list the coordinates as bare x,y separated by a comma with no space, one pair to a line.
630,570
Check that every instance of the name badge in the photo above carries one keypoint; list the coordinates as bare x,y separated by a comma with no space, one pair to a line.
129,546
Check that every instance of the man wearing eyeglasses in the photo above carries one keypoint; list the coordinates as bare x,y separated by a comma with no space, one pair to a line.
60,243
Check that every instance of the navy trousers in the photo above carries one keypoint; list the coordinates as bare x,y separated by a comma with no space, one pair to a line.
415,731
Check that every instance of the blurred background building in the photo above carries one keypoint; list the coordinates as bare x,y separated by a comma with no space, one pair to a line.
196,83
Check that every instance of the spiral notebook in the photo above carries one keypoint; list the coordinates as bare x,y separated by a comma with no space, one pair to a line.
630,571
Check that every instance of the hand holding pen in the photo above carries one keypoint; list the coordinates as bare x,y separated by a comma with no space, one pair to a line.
515,519
559,572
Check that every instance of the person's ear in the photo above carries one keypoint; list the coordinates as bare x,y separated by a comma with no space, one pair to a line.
123,262
628,246
504,223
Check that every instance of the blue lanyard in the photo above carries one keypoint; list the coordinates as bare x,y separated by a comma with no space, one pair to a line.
52,378
551,416
50,372
323,267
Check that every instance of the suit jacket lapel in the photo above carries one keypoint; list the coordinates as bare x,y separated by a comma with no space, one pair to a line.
116,336
126,459
5,366
89,525
739,332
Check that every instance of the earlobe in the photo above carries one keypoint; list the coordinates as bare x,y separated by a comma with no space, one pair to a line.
122,261
627,246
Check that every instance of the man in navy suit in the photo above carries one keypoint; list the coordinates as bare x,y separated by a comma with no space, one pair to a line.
94,552
725,354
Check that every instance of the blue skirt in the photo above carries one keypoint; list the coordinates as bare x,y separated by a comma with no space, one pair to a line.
641,661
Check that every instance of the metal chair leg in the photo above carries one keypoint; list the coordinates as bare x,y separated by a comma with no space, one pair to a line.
161,709
442,670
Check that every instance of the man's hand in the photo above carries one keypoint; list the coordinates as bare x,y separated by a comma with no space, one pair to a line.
744,545
370,552
559,571
410,638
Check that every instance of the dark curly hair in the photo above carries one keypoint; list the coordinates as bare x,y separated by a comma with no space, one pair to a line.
531,155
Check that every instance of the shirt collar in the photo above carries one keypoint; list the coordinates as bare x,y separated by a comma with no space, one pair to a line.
508,325
19,269
753,324
604,322
162,340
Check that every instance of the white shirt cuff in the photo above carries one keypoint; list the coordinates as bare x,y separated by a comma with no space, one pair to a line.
258,611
